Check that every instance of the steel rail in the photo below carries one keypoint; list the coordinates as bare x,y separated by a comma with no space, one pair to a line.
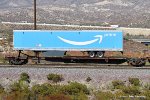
75,65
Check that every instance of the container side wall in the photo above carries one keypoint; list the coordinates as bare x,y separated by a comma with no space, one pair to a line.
68,40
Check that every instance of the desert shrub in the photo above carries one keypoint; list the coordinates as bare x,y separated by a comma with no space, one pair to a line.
147,94
79,96
147,86
2,59
50,76
117,84
17,95
1,89
104,96
75,88
55,77
119,95
26,92
46,89
24,77
19,90
19,86
127,36
57,97
134,81
42,89
82,96
131,90
88,79
15,86
51,92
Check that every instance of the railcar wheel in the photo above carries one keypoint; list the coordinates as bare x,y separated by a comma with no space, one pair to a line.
100,54
137,62
91,54
17,61
25,61
11,62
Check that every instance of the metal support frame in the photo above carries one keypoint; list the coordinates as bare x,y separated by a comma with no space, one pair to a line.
37,54
19,54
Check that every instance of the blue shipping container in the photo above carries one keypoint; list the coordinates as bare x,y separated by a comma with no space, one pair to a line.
85,40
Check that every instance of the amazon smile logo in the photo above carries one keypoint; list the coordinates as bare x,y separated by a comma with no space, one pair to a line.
98,38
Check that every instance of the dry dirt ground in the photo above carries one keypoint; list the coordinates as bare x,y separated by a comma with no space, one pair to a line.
135,31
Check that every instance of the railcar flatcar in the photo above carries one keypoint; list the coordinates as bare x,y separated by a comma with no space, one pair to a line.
94,42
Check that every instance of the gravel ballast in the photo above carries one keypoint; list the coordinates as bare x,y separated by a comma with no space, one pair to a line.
98,76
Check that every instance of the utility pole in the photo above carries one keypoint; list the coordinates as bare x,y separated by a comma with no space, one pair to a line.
34,14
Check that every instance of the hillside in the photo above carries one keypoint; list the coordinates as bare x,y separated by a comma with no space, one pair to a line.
128,13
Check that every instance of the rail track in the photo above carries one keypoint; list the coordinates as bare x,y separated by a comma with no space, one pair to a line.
75,65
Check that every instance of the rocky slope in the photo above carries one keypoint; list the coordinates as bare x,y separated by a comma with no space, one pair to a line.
132,13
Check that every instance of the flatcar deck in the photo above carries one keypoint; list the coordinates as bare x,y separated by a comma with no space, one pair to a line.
80,59
86,59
